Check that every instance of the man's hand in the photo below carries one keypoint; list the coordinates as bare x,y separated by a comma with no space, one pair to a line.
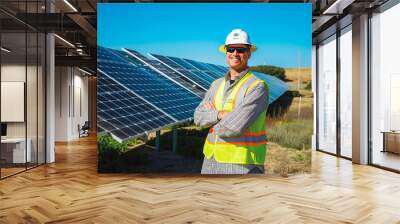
222,114
208,105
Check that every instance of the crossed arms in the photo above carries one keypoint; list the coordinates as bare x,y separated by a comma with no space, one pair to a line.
229,124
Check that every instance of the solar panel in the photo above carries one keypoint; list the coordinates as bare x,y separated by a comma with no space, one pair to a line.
222,68
164,94
276,86
124,114
202,80
164,70
205,68
218,68
183,63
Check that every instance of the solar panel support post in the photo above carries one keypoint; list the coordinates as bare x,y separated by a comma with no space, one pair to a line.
174,139
158,141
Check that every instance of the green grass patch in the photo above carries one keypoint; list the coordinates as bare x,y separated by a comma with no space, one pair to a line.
115,157
291,133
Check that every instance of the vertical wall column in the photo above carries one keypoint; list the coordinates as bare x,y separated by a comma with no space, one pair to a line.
71,102
360,90
50,98
50,91
63,98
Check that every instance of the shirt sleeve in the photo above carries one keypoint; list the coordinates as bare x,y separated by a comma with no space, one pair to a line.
206,117
242,116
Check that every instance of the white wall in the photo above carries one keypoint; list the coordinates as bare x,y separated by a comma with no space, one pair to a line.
12,101
62,81
16,73
12,73
80,109
71,94
33,126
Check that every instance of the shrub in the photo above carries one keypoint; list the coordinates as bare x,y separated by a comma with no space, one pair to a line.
133,142
294,93
308,86
270,70
117,157
107,143
109,153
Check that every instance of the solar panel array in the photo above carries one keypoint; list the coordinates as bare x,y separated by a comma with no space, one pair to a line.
211,72
123,113
166,95
138,94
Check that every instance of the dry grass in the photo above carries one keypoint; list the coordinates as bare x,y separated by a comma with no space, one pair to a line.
293,74
299,110
284,131
285,161
299,79
301,107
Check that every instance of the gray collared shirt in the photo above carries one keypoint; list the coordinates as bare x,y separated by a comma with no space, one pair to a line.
237,121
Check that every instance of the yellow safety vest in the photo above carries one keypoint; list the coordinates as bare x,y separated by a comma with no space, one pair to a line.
250,146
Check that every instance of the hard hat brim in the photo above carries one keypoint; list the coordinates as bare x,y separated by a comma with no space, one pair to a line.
222,48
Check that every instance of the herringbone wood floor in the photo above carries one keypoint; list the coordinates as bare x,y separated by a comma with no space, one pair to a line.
71,191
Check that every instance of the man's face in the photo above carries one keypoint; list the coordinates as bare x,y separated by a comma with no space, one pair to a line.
238,60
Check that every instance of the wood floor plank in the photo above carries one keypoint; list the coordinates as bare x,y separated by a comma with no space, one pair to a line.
71,191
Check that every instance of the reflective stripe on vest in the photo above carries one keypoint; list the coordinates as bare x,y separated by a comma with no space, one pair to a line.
253,138
250,146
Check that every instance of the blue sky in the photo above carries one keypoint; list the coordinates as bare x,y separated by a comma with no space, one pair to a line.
281,32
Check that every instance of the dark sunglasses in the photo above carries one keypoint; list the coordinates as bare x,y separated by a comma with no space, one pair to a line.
238,49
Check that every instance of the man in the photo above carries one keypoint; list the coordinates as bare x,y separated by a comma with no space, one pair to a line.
235,108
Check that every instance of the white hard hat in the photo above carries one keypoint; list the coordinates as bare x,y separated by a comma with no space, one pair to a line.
237,36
